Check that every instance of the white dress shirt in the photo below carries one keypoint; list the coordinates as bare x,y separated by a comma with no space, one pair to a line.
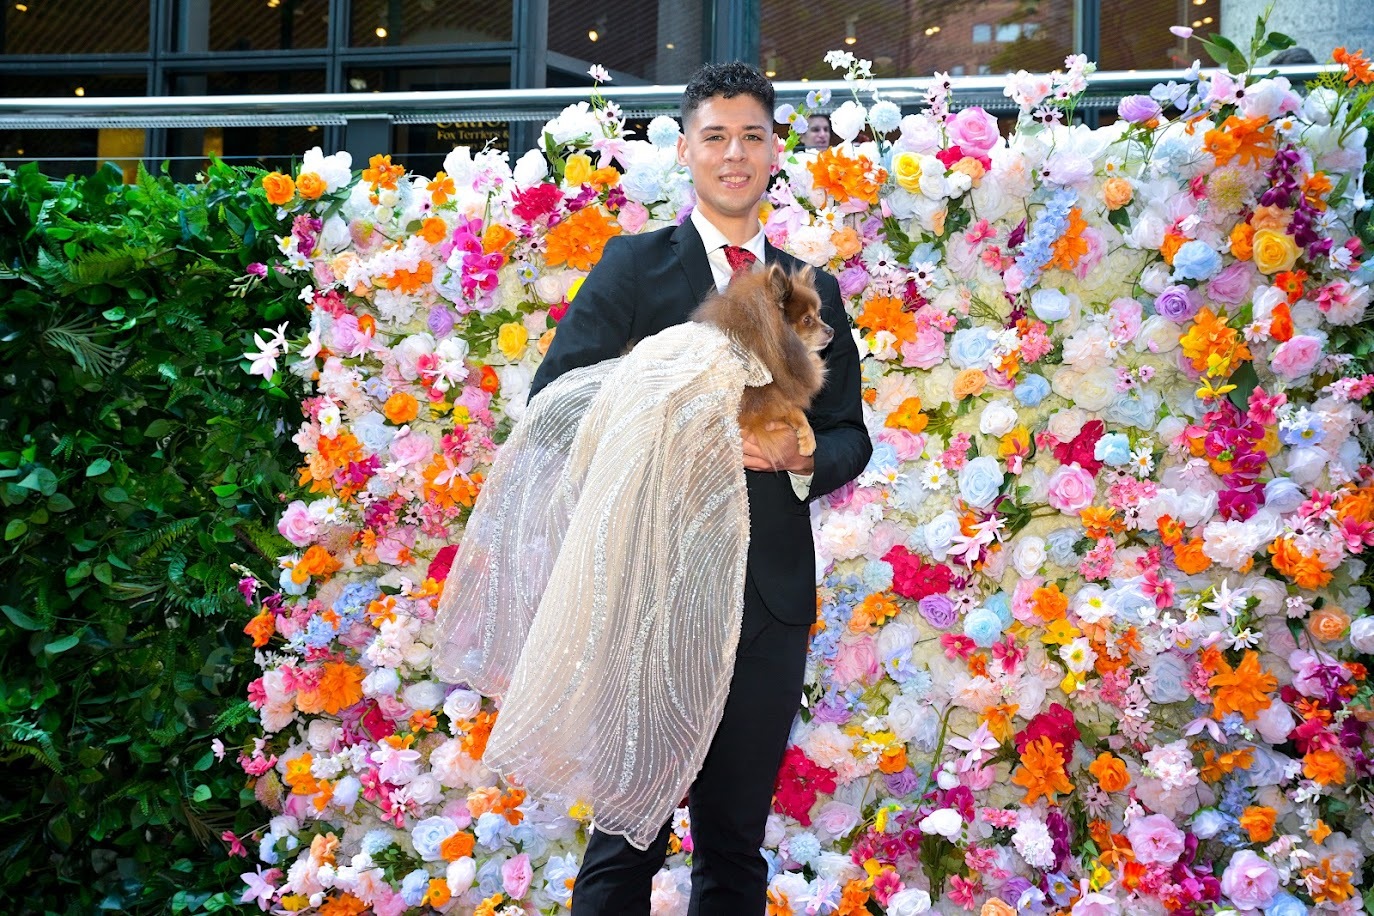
715,241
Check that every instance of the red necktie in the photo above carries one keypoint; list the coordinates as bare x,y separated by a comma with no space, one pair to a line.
739,258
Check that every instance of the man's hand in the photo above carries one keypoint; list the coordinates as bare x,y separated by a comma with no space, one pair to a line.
789,459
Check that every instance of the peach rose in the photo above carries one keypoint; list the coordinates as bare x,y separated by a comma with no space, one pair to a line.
310,186
1117,193
280,188
1328,624
969,382
401,408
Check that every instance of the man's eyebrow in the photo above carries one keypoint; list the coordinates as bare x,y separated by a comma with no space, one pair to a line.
708,127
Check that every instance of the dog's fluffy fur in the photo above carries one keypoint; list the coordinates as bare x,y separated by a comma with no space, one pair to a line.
776,315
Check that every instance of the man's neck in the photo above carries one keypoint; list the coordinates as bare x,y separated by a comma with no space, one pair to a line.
737,230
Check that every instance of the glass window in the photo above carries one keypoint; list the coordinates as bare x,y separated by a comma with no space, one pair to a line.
74,152
917,37
422,147
232,25
271,147
1135,33
386,23
74,27
658,42
248,82
59,85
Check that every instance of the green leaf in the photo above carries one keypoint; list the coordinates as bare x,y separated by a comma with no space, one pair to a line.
97,467
58,646
202,793
20,619
42,480
16,529
158,428
60,502
1279,41
225,489
115,495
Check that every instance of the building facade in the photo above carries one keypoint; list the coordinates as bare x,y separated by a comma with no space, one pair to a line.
71,48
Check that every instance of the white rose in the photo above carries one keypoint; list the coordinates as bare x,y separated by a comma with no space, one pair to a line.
847,120
345,793
1157,335
998,418
381,682
1362,634
424,694
460,875
425,789
910,902
913,721
462,705
1028,555
837,867
1050,304
939,533
1066,424
321,734
1096,389
945,821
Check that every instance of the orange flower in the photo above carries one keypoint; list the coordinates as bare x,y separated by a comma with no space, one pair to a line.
579,240
1041,772
437,895
343,905
1215,766
474,740
433,230
1258,821
280,188
1328,883
1249,139
847,243
969,383
488,907
1189,557
261,628
1281,322
1242,237
886,313
457,846
1110,772
999,720
1070,247
298,776
1271,217
1210,337
310,186
1170,246
876,609
1291,282
489,380
1117,193
1325,767
1357,69
1355,504
1244,690
1100,521
496,237
1302,569
842,176
380,173
340,686
853,899
893,759
1328,624
996,906
401,408
907,416
1049,603
317,562
440,188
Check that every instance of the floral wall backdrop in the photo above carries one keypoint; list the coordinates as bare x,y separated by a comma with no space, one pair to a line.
1094,621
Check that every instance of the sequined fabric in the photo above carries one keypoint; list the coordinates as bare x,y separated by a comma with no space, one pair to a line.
599,585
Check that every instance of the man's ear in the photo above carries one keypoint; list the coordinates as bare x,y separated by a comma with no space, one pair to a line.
682,148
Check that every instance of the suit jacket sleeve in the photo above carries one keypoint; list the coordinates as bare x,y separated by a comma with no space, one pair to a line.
843,446
597,325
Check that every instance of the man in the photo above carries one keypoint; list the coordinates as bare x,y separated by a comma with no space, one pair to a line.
642,285
817,134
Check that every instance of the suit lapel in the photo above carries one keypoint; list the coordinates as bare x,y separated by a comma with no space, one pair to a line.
691,254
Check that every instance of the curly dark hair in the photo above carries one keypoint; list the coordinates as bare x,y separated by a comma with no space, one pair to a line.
726,80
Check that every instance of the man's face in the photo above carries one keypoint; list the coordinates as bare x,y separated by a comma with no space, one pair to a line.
727,145
817,134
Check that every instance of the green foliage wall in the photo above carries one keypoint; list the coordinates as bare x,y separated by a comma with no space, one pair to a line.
137,462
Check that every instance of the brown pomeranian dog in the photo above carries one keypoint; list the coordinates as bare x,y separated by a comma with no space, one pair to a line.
777,316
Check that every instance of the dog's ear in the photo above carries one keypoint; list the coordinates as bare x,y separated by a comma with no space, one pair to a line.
805,277
779,285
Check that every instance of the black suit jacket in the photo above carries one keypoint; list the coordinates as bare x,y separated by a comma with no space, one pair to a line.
646,283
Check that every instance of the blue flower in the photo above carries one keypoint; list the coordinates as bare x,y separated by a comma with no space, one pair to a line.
883,459
1060,544
374,841
803,848
1032,390
319,633
1139,409
980,481
1285,904
971,348
1196,260
1050,304
983,626
885,117
1000,605
1282,495
413,887
663,131
1303,428
492,830
877,576
355,598
1113,449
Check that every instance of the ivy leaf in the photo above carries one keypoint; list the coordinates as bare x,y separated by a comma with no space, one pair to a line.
58,646
16,529
20,619
98,467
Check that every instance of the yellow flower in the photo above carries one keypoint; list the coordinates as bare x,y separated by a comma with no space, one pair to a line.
907,169
578,170
573,287
511,340
1274,251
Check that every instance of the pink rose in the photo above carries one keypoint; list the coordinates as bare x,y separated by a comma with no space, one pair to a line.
1296,357
632,217
974,129
345,338
296,525
925,352
1233,284
1155,839
1071,488
836,818
516,875
856,661
1124,316
411,447
1250,882
1092,256
1095,904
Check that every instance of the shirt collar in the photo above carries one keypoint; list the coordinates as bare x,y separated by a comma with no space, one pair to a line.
712,239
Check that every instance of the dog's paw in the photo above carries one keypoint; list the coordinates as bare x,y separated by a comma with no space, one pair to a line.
806,441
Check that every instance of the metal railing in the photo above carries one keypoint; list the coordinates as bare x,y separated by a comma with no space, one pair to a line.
1105,90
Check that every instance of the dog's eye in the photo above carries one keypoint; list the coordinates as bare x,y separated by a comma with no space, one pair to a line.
807,319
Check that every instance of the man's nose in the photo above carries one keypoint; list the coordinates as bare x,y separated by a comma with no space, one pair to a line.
735,148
